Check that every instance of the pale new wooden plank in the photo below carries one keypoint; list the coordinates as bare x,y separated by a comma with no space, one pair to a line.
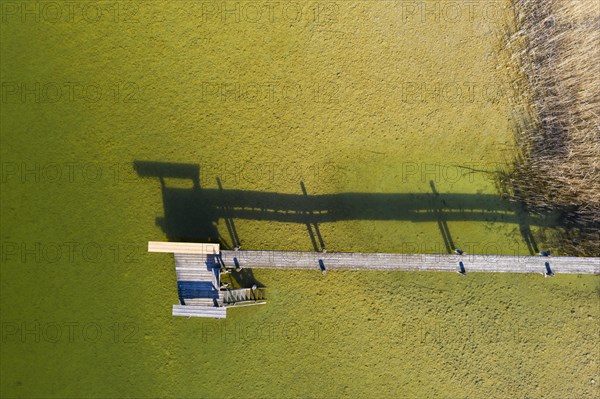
183,247
199,311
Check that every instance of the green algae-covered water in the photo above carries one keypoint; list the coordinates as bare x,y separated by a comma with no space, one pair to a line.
372,97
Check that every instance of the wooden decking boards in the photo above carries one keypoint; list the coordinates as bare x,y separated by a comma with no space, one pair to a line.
192,267
198,281
410,262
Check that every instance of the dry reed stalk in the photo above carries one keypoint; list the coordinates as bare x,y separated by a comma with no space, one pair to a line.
556,48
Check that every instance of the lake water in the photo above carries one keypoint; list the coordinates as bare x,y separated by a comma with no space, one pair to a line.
402,108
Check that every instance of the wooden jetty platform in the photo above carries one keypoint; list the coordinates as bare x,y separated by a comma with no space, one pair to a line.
199,281
199,268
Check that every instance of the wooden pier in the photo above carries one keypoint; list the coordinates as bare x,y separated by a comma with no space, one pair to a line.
199,267
199,281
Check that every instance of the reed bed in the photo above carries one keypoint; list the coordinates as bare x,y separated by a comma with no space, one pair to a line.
555,45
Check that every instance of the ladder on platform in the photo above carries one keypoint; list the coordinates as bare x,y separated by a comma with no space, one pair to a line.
244,296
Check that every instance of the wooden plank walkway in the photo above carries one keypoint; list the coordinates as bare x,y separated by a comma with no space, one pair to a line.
410,262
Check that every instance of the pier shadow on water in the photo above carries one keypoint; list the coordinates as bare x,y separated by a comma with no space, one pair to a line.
191,213
244,278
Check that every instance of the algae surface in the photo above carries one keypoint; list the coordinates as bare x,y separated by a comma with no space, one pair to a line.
345,97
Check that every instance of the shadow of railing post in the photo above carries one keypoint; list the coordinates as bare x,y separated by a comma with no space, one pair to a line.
310,223
235,240
441,221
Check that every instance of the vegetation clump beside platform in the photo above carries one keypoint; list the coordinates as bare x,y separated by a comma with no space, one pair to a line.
555,44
